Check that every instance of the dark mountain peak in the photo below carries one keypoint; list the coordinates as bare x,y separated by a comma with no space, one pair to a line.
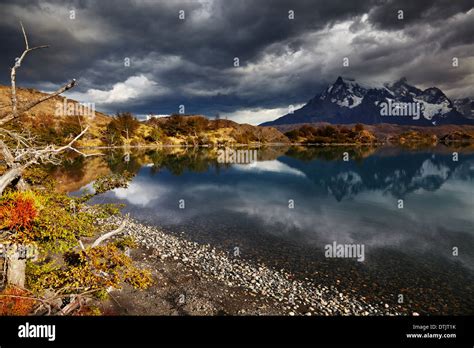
338,86
403,89
433,91
339,81
349,101
435,96
345,92
344,81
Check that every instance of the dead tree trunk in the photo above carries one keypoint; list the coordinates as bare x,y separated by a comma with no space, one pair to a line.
7,178
16,267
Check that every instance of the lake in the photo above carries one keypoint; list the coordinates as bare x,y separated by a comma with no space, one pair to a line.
411,210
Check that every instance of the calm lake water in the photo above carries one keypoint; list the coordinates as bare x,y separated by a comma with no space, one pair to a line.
408,250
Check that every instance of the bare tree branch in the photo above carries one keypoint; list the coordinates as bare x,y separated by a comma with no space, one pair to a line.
46,154
10,116
24,35
9,159
17,65
21,140
69,146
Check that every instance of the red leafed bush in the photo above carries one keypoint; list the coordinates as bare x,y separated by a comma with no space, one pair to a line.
13,301
17,213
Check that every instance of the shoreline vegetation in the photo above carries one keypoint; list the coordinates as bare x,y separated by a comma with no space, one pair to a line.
70,261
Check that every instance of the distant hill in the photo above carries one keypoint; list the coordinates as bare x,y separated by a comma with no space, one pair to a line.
47,126
198,129
348,101
44,121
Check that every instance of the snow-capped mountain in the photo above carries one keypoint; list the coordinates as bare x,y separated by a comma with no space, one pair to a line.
349,101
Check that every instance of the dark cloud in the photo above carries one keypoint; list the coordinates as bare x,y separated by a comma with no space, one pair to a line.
385,16
190,61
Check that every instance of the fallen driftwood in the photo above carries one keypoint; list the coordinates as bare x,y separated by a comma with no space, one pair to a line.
110,234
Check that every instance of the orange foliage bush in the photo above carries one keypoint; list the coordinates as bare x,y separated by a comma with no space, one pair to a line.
18,213
11,305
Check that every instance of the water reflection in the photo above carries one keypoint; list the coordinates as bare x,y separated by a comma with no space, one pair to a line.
334,200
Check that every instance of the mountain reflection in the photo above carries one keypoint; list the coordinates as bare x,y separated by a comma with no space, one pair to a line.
353,201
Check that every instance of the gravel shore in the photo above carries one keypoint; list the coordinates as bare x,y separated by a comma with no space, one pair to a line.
236,285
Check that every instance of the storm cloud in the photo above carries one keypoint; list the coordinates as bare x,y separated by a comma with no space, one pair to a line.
190,61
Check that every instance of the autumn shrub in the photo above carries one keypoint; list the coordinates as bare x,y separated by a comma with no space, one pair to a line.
70,127
39,175
15,301
52,220
126,123
96,268
112,181
126,242
292,135
106,210
155,135
17,212
56,224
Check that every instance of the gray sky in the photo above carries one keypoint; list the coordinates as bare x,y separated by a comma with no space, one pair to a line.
282,61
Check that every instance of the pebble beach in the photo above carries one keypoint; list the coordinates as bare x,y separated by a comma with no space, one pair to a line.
274,291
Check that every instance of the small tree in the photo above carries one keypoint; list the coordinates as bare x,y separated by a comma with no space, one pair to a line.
126,123
111,136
